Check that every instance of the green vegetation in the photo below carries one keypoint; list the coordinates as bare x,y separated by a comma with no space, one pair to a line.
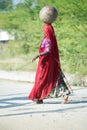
24,23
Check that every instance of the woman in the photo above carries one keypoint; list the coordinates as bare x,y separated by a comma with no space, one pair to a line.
48,70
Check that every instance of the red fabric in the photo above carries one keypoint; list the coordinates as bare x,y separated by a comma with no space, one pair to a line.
48,70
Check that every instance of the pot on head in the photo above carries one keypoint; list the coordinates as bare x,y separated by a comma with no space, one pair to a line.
48,14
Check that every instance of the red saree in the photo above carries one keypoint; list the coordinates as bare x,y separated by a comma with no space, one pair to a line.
48,70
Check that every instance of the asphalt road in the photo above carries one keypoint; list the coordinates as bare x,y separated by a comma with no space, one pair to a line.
17,112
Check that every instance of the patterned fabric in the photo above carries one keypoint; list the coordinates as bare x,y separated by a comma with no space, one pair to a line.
46,45
62,87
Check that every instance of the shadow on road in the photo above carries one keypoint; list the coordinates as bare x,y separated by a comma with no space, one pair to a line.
12,102
15,102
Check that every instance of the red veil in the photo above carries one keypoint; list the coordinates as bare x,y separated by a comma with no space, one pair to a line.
48,70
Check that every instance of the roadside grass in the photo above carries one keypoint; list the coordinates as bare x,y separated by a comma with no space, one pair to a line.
72,44
71,33
11,59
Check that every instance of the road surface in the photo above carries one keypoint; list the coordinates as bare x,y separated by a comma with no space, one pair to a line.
18,113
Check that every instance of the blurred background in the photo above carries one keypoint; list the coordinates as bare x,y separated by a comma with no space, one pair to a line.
21,34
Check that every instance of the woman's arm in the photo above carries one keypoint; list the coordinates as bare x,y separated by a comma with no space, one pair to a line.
46,45
41,54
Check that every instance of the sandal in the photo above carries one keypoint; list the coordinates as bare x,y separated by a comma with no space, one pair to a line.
65,99
38,101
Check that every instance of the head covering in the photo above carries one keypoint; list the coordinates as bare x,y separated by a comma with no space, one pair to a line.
50,34
48,31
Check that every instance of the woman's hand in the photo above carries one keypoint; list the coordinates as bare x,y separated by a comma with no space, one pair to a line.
35,58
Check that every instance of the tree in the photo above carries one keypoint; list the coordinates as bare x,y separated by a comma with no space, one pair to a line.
5,5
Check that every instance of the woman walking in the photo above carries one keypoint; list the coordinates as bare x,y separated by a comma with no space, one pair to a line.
48,70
